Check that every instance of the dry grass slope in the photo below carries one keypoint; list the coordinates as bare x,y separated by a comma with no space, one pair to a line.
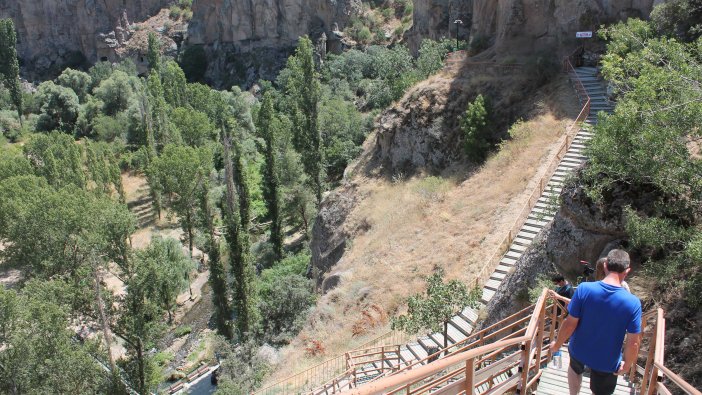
413,226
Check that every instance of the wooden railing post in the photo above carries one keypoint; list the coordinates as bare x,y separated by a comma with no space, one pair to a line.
526,363
649,362
469,385
540,338
552,328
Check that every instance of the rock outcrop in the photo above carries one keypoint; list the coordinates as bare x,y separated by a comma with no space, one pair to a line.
57,33
581,230
331,233
521,25
248,39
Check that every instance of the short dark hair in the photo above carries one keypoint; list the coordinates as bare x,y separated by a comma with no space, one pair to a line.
618,261
557,278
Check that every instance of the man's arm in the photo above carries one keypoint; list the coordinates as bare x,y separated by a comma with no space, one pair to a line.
631,350
565,332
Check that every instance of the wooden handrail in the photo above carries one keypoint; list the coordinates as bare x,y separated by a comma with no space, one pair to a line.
414,375
469,362
677,380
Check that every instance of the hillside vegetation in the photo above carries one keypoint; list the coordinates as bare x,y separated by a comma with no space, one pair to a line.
115,187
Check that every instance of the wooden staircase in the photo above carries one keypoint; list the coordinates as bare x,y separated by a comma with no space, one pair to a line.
591,93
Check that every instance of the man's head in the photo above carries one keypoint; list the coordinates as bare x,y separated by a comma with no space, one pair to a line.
558,279
617,262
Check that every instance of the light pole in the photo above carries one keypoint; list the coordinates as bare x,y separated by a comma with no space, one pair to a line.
457,22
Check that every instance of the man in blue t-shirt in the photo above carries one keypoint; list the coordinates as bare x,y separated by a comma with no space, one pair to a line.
600,313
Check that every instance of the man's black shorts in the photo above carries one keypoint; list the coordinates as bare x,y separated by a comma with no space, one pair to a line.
601,383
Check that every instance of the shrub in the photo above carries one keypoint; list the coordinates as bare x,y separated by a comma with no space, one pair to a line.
174,12
185,4
182,330
474,125
364,35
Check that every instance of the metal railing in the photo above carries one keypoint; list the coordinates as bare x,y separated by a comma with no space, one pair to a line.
564,145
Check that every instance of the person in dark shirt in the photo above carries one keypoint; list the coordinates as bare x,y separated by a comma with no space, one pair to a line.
563,287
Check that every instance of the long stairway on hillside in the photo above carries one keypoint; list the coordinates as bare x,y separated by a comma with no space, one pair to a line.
589,86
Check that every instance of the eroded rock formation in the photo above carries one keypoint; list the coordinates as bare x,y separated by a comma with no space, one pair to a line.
523,25
55,33
246,39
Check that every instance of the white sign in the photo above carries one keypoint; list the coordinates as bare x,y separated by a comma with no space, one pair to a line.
583,35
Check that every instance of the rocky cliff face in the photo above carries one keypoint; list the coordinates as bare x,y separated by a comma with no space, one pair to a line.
523,25
55,33
246,39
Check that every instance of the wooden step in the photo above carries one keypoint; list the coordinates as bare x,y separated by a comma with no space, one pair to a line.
508,261
417,350
498,275
488,294
462,325
522,241
427,342
469,314
512,254
454,334
492,284
504,269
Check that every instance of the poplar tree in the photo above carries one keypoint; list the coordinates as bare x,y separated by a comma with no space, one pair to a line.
305,89
218,278
153,53
271,192
237,239
9,65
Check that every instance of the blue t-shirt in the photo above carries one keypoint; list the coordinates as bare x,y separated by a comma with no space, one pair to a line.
606,312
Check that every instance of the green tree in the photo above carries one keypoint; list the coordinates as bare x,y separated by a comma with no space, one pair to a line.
9,65
174,84
218,276
13,163
64,225
79,81
431,57
475,126
59,107
286,295
242,369
271,189
139,325
241,266
39,355
650,147
159,120
165,272
153,53
195,127
57,158
115,92
179,174
304,88
434,310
